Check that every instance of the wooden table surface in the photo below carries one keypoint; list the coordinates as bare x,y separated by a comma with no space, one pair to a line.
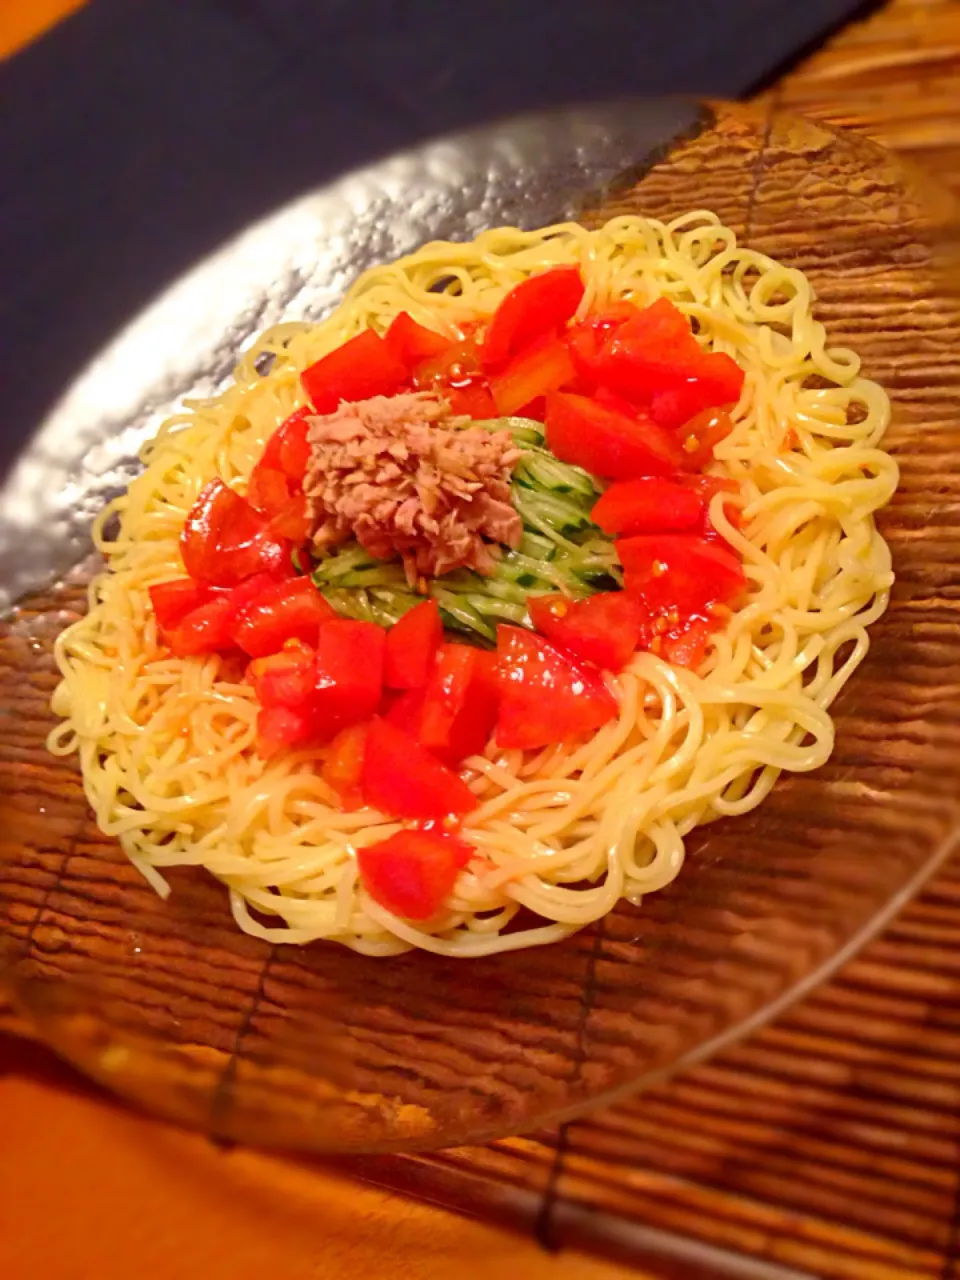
88,1189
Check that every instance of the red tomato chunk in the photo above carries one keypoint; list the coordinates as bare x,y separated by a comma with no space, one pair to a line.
288,449
545,697
404,779
206,629
474,722
363,367
208,626
284,679
224,540
648,505
544,366
343,767
604,629
275,487
173,600
606,442
654,360
291,610
539,305
680,571
457,375
701,435
413,872
412,343
446,693
587,339
349,674
412,645
338,684
455,713
279,728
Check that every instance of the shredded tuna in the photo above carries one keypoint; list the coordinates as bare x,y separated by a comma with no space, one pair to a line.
405,478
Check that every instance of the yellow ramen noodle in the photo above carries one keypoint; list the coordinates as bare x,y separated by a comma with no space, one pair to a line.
167,745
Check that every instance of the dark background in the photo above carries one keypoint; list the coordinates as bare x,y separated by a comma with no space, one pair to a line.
139,134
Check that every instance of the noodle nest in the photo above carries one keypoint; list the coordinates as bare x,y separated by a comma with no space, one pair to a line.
167,745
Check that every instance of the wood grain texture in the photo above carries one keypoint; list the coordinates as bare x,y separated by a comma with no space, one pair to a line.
829,1143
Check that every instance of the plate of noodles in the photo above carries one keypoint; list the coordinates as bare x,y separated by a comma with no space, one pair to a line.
463,698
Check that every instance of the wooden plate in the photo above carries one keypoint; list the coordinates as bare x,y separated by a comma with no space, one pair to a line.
318,1047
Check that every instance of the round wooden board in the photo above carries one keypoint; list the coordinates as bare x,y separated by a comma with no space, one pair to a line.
317,1047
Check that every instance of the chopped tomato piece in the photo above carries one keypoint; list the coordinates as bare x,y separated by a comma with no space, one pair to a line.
471,729
446,693
660,323
614,315
701,435
413,872
462,719
268,489
209,627
343,767
338,685
363,367
349,682
412,645
690,647
486,674
679,403
604,629
545,697
535,409
707,486
680,570
404,712
284,679
721,376
715,380
606,442
288,449
279,728
647,505
539,305
654,360
584,343
250,588
619,404
205,629
281,501
544,366
275,487
586,339
456,365
412,343
173,600
457,375
654,352
224,540
640,377
405,780
291,610
471,401
294,522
